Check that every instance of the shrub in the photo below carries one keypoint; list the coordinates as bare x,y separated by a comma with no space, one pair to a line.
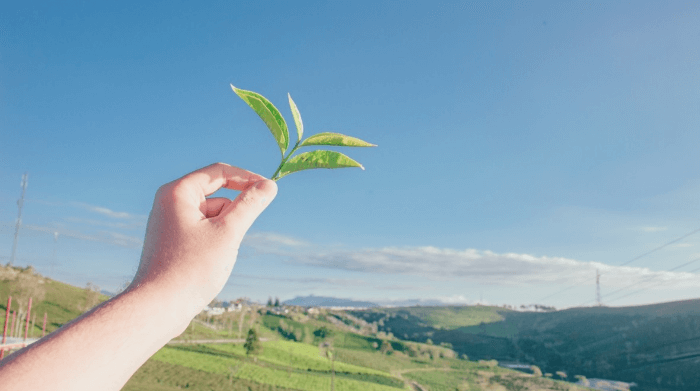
536,370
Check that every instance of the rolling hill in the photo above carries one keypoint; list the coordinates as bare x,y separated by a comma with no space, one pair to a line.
208,355
655,346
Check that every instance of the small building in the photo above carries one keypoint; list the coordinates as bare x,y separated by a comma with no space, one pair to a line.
214,311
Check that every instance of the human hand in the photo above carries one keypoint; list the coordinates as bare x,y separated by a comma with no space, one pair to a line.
192,241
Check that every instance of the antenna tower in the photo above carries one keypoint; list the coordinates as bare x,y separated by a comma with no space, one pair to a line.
20,204
597,288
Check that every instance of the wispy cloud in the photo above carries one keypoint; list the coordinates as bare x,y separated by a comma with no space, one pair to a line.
121,225
109,237
304,280
328,282
109,213
271,240
683,245
487,267
651,229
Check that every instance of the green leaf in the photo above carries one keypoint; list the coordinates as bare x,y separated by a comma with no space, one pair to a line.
297,117
317,159
269,114
336,139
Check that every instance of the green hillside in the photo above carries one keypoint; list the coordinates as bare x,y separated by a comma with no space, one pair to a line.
656,346
61,302
364,357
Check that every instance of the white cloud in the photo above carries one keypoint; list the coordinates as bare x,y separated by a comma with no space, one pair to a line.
483,266
269,240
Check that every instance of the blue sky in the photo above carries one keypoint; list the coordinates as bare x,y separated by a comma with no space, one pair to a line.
521,146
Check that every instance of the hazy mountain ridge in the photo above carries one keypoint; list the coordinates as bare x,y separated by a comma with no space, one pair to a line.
325,301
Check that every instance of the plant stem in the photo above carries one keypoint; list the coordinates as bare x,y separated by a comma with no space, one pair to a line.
284,160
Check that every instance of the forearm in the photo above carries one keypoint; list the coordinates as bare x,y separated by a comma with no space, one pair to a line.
102,348
189,251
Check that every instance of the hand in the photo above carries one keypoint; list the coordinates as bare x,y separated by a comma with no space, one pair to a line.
192,241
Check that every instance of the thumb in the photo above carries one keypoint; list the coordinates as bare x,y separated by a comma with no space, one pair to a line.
240,214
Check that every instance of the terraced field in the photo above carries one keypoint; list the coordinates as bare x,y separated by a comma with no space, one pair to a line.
281,364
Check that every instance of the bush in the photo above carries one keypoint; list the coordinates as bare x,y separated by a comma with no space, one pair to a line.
323,333
386,348
489,363
536,370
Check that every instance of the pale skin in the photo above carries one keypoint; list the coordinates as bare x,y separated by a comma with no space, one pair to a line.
189,252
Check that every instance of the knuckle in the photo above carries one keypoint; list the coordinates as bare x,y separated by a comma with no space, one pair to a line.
170,191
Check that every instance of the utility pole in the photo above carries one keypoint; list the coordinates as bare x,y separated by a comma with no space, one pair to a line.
597,288
20,204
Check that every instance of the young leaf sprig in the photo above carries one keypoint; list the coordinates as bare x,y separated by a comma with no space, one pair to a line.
307,160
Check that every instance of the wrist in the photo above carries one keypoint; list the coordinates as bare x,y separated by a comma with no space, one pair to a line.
172,309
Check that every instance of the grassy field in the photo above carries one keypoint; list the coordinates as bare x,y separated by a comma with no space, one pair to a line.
287,365
297,356
291,358
308,370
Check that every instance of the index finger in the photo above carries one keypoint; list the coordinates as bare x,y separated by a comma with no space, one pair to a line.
215,176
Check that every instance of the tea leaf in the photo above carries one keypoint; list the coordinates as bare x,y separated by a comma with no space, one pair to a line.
297,117
335,139
269,114
317,159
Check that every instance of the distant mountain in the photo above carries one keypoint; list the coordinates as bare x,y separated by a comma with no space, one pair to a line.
322,301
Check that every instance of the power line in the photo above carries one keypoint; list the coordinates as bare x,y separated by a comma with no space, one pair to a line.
558,292
647,280
630,261
653,277
651,286
659,248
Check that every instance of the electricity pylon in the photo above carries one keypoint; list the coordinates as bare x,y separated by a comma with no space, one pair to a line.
597,288
20,204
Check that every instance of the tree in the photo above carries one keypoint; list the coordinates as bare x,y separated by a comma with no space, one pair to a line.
386,347
277,301
26,285
92,296
269,301
252,343
582,380
323,333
